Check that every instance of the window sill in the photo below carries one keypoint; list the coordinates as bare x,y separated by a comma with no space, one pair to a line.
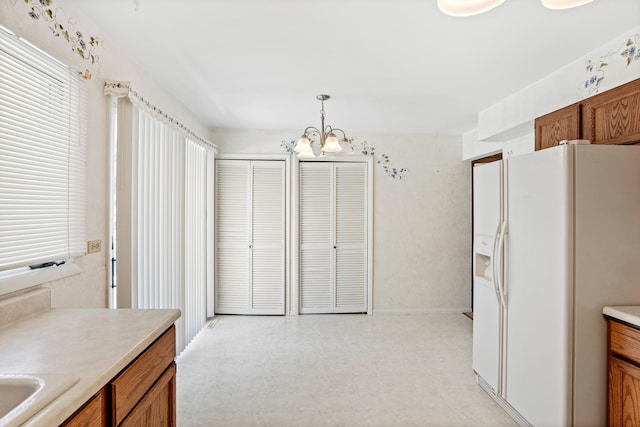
39,277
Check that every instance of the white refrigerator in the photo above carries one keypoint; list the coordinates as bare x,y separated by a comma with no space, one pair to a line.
556,238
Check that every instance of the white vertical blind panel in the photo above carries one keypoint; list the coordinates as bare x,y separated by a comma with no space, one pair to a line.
232,292
42,157
195,239
160,220
268,234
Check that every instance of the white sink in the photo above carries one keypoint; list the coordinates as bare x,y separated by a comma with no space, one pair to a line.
23,395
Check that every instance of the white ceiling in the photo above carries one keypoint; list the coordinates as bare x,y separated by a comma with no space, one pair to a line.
389,65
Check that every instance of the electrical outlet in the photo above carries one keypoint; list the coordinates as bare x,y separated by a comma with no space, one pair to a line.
94,246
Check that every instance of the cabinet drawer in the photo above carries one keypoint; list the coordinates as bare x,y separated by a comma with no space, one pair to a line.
132,384
625,341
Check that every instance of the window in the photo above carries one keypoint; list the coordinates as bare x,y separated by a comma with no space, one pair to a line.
43,107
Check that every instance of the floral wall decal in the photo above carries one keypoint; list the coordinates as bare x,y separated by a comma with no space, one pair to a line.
63,27
287,146
595,69
631,51
366,149
381,159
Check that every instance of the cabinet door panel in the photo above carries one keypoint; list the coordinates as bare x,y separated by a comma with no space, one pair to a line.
556,126
129,387
624,393
157,408
613,117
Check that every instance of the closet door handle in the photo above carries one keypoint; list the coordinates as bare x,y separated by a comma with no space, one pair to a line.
250,246
335,247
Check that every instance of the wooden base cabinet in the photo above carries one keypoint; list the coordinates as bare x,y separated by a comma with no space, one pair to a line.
143,394
623,408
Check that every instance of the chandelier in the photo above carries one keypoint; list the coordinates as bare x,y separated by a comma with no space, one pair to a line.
328,140
474,7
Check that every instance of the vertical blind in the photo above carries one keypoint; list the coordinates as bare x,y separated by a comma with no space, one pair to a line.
170,181
43,107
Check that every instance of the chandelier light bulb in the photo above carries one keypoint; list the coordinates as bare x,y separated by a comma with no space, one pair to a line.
331,144
302,145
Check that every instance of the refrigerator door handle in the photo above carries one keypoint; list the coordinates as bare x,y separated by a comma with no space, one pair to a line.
494,270
499,276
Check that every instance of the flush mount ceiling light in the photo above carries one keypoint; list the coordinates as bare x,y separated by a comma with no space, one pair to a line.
467,7
328,140
564,4
474,7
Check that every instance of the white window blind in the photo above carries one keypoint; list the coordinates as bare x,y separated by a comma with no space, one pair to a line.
43,107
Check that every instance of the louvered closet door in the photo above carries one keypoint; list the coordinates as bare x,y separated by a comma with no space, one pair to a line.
316,238
268,234
250,237
333,237
351,237
232,237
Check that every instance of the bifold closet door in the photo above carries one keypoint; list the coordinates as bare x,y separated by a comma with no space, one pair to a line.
333,237
250,237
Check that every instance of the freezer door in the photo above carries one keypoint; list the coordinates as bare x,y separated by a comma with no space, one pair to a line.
486,333
538,277
487,203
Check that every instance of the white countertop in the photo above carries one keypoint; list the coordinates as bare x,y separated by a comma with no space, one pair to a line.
92,345
629,314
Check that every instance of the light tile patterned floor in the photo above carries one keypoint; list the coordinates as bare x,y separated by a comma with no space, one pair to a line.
333,370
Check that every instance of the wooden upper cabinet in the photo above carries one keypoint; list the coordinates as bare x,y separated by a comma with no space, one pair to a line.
613,117
557,126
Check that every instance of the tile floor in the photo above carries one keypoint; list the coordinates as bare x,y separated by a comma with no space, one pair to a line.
333,370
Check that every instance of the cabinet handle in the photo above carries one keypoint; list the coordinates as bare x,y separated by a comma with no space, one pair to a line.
250,246
335,247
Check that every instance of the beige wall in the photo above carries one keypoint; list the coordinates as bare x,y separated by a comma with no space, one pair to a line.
90,288
422,224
